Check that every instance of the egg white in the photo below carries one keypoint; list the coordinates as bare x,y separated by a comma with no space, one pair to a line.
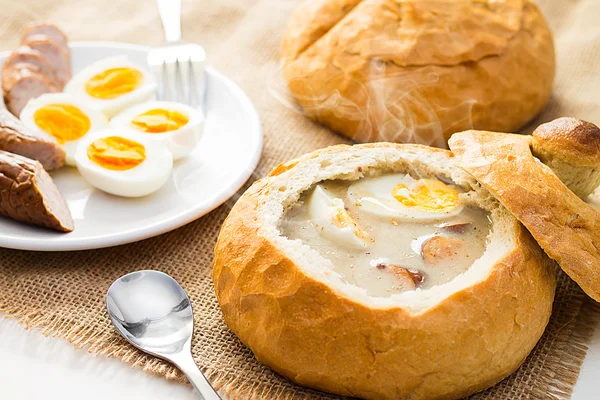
374,196
323,208
97,120
142,180
180,142
110,107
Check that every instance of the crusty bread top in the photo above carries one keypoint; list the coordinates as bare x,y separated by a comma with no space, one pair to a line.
284,186
571,140
411,33
565,226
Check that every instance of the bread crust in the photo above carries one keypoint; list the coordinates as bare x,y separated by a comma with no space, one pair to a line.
316,336
567,228
569,139
383,70
571,148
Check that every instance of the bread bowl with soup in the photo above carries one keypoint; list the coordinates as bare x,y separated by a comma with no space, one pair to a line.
382,271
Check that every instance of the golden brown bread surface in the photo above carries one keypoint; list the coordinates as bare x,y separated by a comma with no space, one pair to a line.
571,147
418,70
308,331
569,139
566,227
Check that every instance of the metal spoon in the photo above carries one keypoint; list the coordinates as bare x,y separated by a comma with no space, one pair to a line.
151,310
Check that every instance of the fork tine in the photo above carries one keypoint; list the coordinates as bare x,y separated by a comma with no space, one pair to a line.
157,71
191,94
170,79
161,92
180,74
178,95
199,84
188,81
185,94
166,81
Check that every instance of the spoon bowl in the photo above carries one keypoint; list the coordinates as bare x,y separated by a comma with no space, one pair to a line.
153,312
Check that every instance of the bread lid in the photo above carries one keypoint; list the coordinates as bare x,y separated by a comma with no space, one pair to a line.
566,227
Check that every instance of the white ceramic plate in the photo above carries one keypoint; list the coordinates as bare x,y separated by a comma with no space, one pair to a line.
228,153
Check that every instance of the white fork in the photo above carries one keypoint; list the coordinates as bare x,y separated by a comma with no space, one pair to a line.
178,66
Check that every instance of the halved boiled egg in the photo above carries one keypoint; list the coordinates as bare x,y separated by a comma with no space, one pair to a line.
330,218
402,197
177,125
63,117
112,85
123,163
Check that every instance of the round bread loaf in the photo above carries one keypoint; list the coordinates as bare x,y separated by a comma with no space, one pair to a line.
571,147
418,70
283,299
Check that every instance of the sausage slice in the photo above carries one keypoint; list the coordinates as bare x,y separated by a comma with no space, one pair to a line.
56,55
28,194
405,279
455,227
16,138
22,82
44,28
441,250
26,55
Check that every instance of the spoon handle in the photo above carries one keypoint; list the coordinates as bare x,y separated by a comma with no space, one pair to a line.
187,365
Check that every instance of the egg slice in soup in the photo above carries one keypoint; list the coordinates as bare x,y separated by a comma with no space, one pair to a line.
63,117
123,163
330,218
112,85
177,125
401,197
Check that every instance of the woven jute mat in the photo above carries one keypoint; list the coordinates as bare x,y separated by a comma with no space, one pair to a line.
63,293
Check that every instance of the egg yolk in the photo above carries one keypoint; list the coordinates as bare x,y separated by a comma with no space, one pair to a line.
62,121
342,219
159,121
114,82
116,153
427,194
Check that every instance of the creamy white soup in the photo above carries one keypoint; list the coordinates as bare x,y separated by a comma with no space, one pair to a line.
391,233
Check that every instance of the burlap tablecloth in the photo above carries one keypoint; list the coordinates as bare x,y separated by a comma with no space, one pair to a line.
63,293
